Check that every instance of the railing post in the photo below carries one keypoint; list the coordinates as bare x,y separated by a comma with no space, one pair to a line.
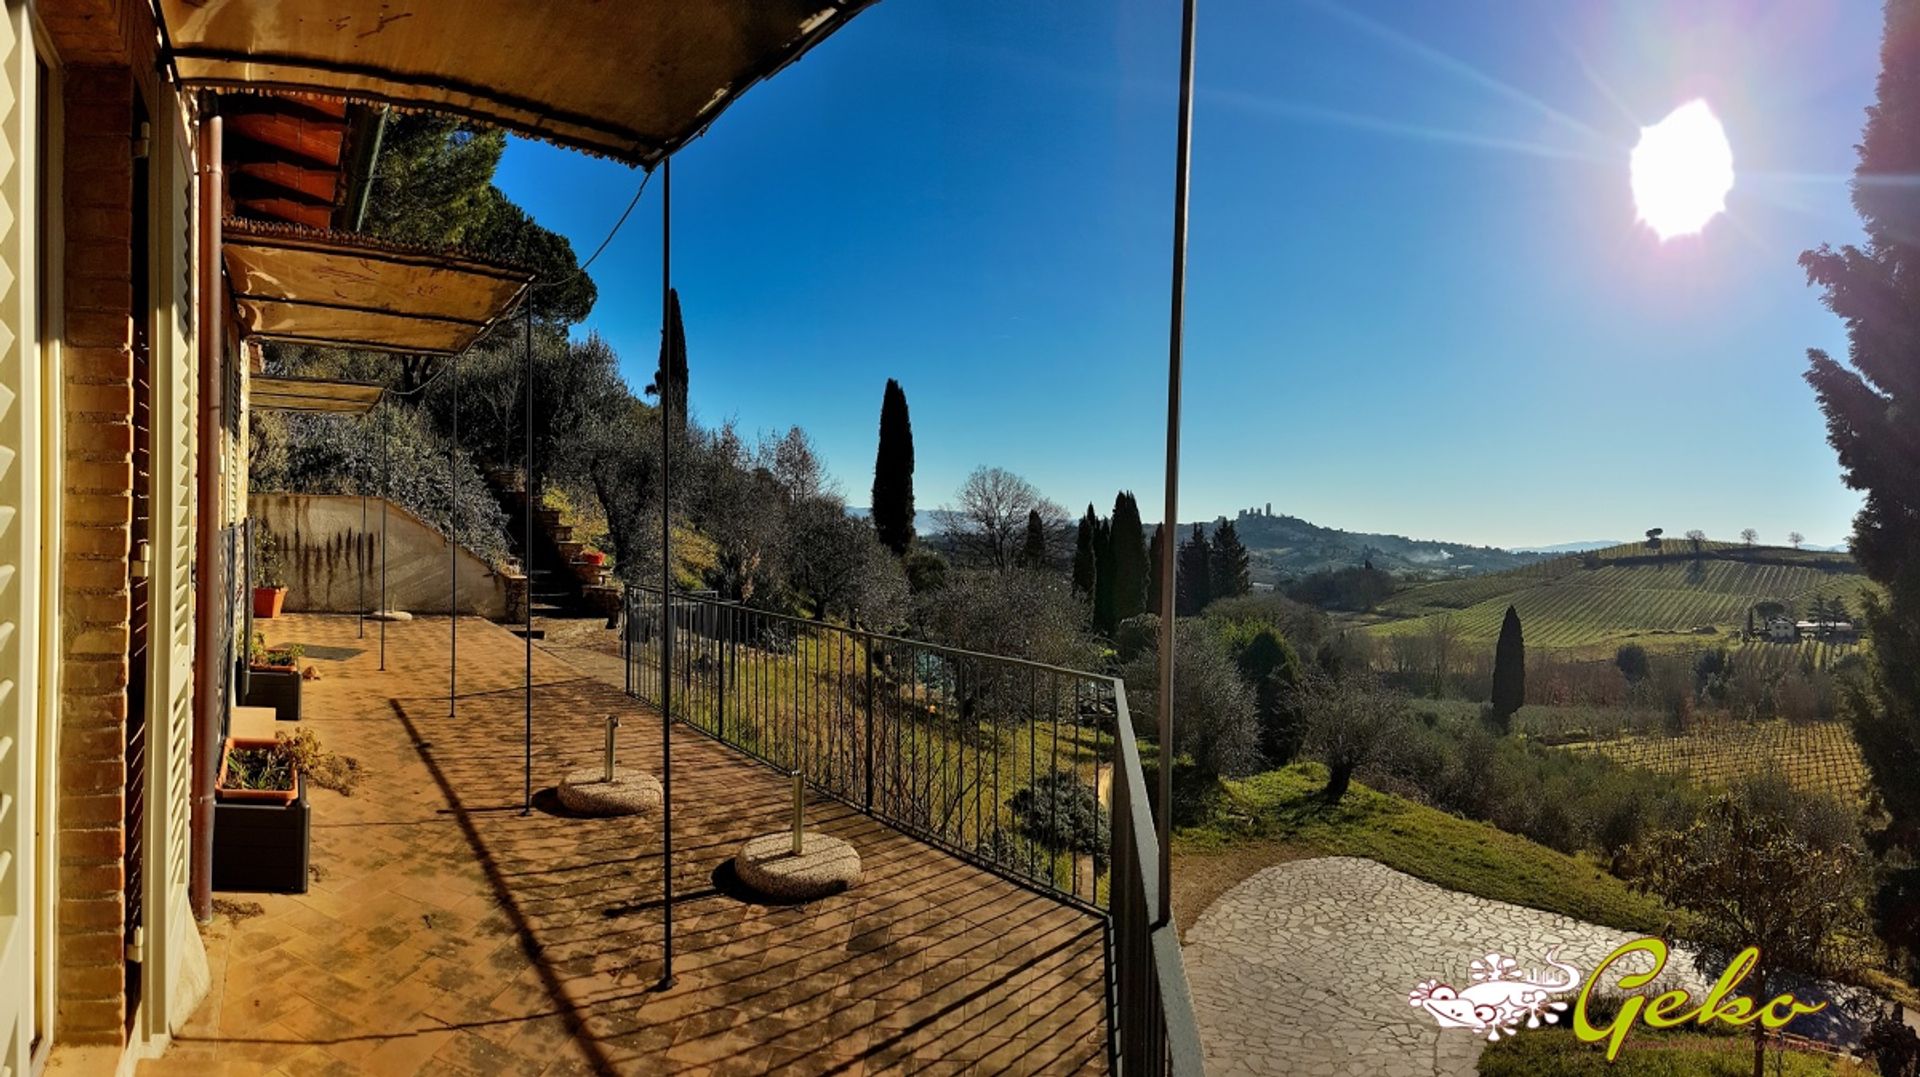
869,724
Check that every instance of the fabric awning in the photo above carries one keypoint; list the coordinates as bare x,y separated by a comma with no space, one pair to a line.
313,287
268,393
630,79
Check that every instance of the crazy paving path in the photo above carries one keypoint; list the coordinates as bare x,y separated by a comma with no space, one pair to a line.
1304,968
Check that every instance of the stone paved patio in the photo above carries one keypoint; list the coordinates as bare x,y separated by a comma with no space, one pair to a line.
1304,968
445,933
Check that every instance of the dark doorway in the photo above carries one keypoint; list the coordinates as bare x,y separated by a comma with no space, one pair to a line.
137,586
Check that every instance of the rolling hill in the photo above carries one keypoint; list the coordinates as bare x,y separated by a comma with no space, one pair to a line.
1289,547
1603,598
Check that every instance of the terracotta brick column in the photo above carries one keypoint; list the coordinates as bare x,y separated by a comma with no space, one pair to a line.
98,366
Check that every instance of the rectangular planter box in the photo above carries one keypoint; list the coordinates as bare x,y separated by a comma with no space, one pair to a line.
276,688
262,845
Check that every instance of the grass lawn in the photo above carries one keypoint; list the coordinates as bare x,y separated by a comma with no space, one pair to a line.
1277,816
1556,1053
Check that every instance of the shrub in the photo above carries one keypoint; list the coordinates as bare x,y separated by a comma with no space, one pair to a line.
1061,812
1631,660
1217,727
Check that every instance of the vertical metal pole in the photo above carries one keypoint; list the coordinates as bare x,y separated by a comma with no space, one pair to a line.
453,549
1171,516
666,564
526,548
361,620
386,492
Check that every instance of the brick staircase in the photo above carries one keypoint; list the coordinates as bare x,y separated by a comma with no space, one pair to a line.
564,582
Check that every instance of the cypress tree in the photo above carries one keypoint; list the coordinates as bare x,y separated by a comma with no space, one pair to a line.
1033,553
1509,671
1083,560
1193,582
1229,564
1103,576
892,505
673,361
1870,397
1153,571
1128,540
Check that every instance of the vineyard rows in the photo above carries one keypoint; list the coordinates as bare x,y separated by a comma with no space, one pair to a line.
1812,756
1582,607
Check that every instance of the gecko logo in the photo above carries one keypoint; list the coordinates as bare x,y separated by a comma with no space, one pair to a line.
1500,997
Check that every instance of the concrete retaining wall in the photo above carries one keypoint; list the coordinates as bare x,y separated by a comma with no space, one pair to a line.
327,555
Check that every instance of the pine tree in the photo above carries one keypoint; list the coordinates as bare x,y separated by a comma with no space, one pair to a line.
1033,553
1229,564
673,360
892,505
1193,582
1153,571
1083,559
1509,672
1129,544
1869,403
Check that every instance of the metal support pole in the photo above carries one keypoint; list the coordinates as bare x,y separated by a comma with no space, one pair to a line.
799,810
1169,519
386,494
526,548
667,390
361,625
453,547
613,723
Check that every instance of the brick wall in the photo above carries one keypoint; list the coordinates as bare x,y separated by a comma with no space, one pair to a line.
98,368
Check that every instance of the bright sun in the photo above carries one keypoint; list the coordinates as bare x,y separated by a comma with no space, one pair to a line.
1681,171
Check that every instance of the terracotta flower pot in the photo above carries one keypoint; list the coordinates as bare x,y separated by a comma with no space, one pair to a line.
595,558
271,796
268,600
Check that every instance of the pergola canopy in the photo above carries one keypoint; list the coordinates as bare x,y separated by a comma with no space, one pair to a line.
271,393
630,79
326,288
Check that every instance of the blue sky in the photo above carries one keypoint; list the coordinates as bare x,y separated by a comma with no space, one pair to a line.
1418,300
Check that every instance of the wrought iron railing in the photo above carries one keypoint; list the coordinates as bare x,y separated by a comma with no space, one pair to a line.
1027,769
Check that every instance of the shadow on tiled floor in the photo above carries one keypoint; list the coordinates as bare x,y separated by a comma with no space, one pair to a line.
447,933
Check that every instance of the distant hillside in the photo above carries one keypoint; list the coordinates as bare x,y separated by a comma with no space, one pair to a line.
1603,598
1569,547
1289,547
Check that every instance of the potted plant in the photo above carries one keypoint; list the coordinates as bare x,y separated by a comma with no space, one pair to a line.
273,678
261,819
594,557
271,593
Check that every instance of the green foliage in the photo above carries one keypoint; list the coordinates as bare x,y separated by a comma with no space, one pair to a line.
1084,554
1347,722
434,187
1556,1052
1217,727
1268,664
394,450
1015,614
1768,867
1033,551
1126,561
1062,812
670,376
1353,589
1193,579
1155,552
1509,672
892,504
1631,660
926,570
1229,576
1286,806
270,566
259,768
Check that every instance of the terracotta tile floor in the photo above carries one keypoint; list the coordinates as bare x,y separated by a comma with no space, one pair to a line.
445,933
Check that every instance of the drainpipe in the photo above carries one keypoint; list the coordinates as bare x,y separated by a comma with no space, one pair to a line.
210,604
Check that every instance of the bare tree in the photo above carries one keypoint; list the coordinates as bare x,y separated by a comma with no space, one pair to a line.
795,464
1795,538
1698,538
990,519
1749,536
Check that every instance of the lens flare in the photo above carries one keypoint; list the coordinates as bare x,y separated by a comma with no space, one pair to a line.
1681,171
